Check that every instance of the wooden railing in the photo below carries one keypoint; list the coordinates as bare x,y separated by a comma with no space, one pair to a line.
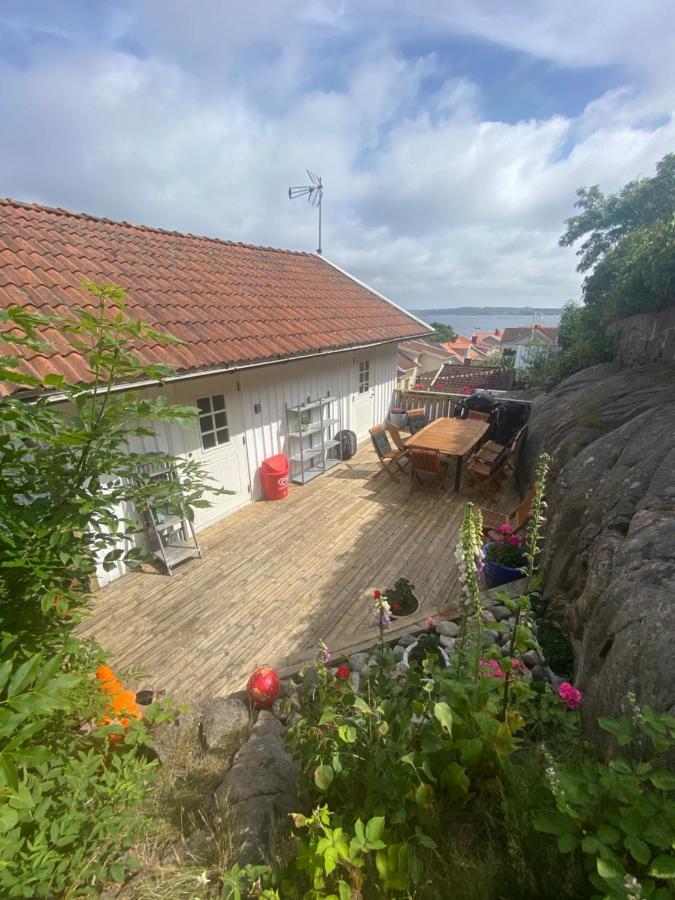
436,404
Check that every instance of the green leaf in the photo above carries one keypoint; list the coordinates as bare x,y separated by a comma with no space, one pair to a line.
663,866
663,780
590,844
553,823
607,835
444,715
609,869
8,818
567,842
347,733
374,829
456,779
323,777
638,849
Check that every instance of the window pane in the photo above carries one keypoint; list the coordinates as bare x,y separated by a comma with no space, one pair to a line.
220,420
218,401
204,404
223,436
208,441
205,423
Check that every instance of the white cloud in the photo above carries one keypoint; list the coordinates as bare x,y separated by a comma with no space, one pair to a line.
426,198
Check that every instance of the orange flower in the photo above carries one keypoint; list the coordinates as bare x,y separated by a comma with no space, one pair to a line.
122,703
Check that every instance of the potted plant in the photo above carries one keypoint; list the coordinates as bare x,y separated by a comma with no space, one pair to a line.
504,557
427,643
401,599
398,416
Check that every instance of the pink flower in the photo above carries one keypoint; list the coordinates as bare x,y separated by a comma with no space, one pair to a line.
514,540
505,528
342,673
491,668
570,695
430,622
377,594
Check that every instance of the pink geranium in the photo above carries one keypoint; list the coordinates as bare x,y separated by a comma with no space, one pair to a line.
514,540
570,695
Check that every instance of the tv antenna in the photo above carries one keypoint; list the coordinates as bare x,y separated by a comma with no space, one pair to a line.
314,194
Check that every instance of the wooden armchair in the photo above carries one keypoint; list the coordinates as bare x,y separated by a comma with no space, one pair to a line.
396,437
491,450
517,518
425,463
417,419
393,461
487,474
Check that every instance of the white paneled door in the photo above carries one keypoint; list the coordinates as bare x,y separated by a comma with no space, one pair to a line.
364,399
218,442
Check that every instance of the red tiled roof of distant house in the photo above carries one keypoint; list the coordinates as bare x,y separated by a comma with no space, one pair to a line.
231,304
490,338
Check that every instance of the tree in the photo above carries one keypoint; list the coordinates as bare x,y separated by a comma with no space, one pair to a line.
444,333
628,252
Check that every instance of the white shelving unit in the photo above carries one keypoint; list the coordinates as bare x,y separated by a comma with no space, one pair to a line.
172,537
310,426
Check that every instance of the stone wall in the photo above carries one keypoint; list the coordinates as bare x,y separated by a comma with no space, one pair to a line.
610,554
645,339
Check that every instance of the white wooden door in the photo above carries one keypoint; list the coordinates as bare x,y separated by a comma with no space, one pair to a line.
219,445
364,399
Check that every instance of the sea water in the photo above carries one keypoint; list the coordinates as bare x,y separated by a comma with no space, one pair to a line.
466,324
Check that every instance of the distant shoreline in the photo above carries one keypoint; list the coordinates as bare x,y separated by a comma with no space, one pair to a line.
487,311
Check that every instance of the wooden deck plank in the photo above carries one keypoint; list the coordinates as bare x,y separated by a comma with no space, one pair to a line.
278,577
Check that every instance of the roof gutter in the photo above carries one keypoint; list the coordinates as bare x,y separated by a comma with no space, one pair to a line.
59,397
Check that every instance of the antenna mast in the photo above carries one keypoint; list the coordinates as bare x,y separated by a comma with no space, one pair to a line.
314,194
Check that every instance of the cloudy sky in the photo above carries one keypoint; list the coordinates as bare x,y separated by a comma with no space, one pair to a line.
451,135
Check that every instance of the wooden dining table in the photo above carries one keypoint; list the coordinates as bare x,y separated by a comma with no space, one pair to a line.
451,437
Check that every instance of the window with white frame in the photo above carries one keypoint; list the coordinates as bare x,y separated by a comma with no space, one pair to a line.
364,376
213,426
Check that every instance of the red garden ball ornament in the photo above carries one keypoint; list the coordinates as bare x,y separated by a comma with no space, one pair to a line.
263,688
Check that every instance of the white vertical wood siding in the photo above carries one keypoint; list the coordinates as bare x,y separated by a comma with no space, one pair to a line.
273,387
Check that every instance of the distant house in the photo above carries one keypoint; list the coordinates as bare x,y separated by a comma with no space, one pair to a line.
260,328
427,357
463,350
520,342
406,370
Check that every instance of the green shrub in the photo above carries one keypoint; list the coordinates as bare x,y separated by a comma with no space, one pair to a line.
71,788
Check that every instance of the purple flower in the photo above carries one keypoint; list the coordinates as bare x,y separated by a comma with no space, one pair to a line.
323,654
381,618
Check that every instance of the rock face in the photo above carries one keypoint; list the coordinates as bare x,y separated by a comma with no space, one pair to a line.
609,558
224,719
260,787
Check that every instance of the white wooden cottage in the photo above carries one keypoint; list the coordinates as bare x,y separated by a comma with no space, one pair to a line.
263,329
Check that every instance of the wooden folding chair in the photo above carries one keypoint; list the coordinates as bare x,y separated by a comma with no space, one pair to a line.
396,437
483,417
417,419
491,450
427,462
488,474
393,461
517,518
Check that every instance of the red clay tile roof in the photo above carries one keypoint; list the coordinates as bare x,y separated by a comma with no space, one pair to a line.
231,303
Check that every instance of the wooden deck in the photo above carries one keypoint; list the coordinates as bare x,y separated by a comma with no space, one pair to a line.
278,577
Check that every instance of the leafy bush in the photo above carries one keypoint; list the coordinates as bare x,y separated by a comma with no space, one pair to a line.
620,814
71,788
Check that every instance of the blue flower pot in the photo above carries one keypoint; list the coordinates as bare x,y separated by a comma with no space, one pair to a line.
495,573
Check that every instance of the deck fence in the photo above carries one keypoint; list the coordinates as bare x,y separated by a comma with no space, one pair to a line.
436,404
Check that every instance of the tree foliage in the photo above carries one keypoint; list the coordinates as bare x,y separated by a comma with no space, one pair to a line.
627,250
443,333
